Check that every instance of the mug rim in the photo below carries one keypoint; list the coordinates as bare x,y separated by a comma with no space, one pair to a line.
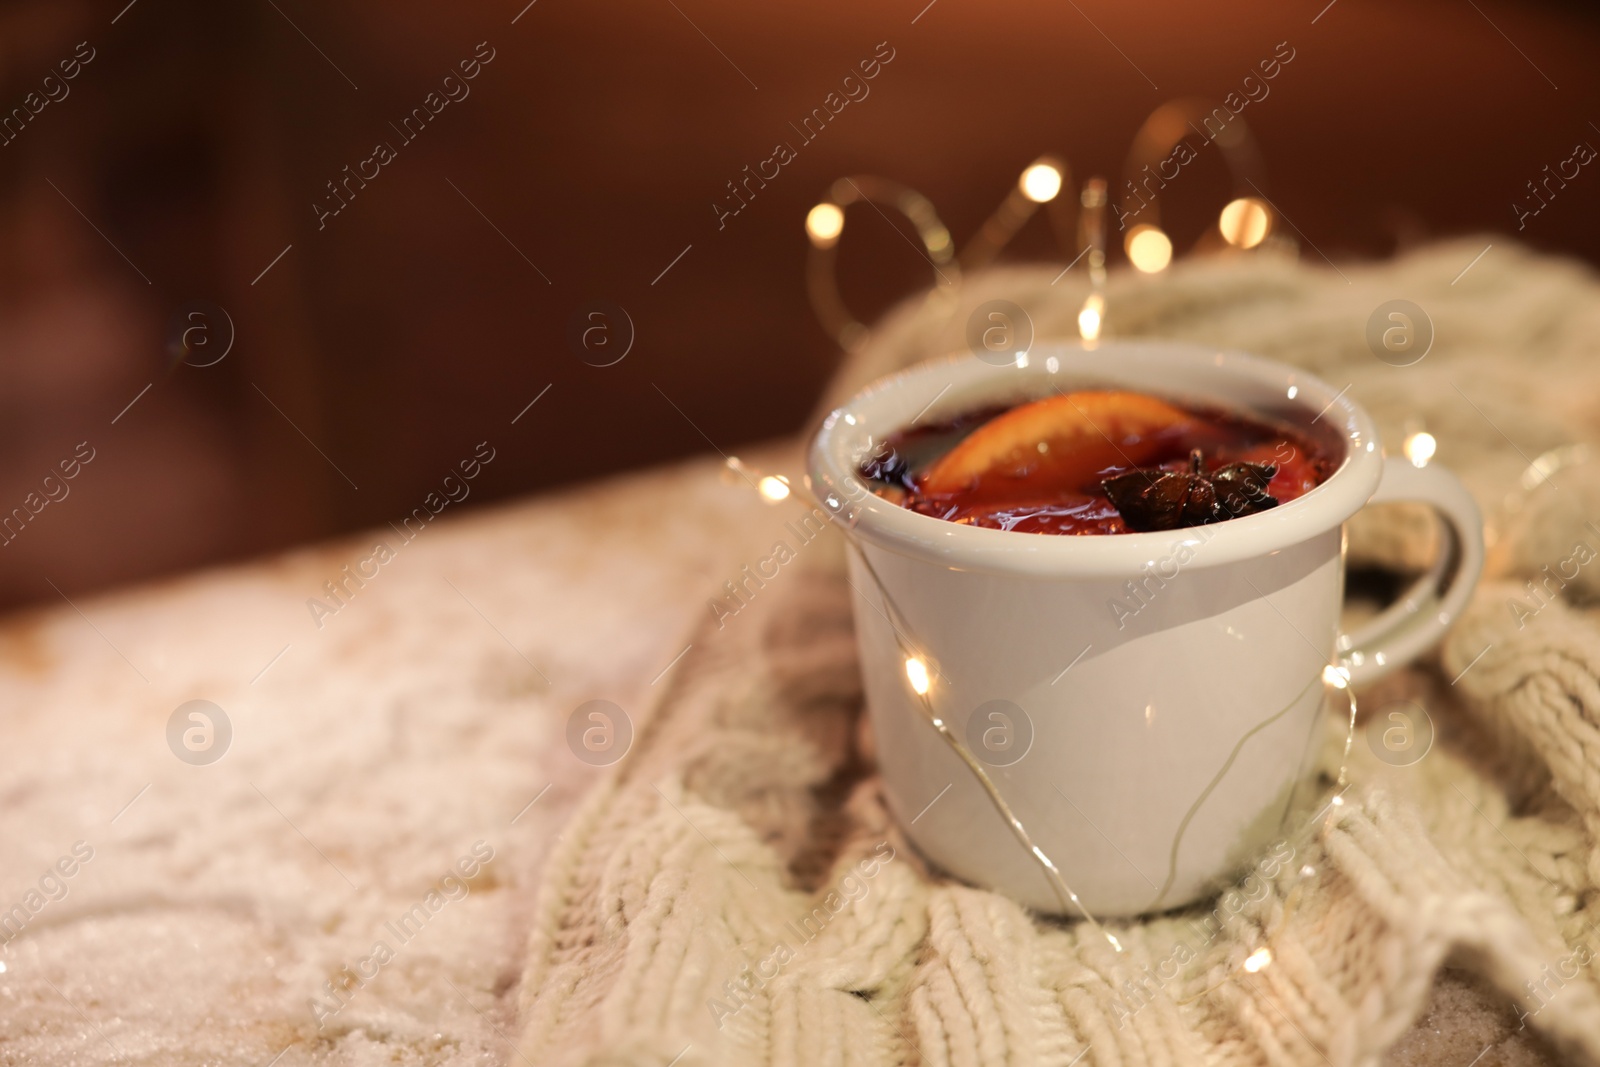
850,430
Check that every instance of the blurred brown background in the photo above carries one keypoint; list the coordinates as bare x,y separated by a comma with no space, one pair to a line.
380,349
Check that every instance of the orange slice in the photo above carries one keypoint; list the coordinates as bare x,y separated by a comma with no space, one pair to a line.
1060,442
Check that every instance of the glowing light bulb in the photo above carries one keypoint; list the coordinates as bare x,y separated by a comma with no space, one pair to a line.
1244,222
917,675
1089,317
1149,250
1336,676
1258,960
824,224
773,488
1337,802
1420,448
1040,183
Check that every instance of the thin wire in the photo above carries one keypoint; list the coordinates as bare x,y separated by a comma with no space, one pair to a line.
1058,882
1064,892
1349,736
1292,900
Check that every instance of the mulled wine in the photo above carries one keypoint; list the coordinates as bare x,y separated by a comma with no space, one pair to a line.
1097,462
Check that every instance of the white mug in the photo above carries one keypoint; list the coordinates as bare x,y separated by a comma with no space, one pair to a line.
1151,751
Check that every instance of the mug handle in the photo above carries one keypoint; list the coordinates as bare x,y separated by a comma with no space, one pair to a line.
1420,618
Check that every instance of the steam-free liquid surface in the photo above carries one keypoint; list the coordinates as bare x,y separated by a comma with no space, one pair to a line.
1041,466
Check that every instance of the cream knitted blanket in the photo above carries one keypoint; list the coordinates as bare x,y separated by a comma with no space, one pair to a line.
736,892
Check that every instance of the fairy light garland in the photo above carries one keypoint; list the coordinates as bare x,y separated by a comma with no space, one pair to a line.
825,225
1039,186
1247,222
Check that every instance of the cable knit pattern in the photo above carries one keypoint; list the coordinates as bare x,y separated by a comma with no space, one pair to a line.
737,893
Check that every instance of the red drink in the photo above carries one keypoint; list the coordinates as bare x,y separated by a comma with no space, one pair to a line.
1096,462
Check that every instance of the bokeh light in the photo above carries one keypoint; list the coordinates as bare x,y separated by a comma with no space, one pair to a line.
1245,222
1089,317
917,674
1149,249
1420,448
773,488
1041,182
824,224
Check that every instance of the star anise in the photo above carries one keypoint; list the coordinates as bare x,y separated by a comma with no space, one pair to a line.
1162,499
